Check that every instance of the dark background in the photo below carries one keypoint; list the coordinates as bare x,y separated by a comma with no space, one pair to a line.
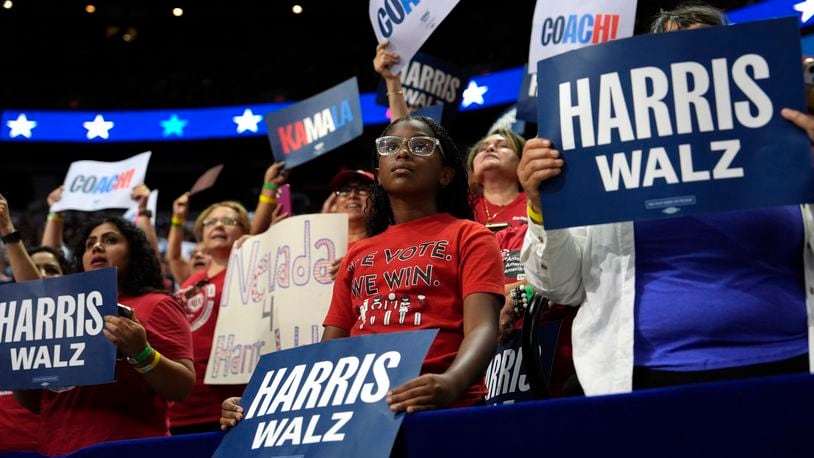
56,56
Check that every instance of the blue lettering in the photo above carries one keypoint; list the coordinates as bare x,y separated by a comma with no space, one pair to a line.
570,35
408,4
586,25
386,27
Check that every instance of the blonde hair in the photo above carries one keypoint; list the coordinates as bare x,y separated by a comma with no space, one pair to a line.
242,217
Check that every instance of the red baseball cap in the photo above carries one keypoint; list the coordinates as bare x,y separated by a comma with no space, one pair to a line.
344,176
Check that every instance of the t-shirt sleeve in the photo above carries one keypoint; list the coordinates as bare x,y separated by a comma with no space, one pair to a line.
168,330
481,264
340,313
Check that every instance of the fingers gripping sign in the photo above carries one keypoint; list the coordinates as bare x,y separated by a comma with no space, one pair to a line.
428,391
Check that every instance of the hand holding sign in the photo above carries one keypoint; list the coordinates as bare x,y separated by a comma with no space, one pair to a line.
538,163
127,335
384,60
180,206
801,120
429,391
230,413
55,195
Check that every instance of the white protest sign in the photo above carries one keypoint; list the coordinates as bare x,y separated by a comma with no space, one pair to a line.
407,24
152,204
276,293
560,26
95,185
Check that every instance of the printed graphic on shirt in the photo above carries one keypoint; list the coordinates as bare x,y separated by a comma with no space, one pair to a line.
512,267
199,301
393,297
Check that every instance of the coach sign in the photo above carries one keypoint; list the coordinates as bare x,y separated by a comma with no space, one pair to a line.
328,399
675,123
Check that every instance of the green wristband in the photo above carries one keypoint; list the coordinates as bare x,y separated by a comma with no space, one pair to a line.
270,186
142,357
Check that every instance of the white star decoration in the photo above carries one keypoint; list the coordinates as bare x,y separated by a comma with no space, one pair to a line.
474,94
21,126
807,8
247,121
98,127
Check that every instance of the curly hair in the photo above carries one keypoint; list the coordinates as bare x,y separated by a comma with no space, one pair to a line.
686,15
143,272
453,199
64,265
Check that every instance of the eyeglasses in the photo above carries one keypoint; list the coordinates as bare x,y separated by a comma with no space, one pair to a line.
361,191
225,220
419,146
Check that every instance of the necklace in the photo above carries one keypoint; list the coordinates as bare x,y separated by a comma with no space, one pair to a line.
489,216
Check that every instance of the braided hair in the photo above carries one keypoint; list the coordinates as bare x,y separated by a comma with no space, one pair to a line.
453,199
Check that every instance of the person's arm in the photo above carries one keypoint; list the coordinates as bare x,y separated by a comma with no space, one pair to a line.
267,212
141,194
395,93
179,269
172,380
507,315
431,391
21,264
52,235
552,260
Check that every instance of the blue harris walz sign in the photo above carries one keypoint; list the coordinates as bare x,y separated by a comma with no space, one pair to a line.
51,331
428,81
675,123
311,128
327,399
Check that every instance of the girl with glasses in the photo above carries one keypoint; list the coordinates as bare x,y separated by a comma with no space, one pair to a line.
433,268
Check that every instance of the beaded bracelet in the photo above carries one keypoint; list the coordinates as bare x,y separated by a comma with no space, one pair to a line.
151,366
267,200
270,185
175,221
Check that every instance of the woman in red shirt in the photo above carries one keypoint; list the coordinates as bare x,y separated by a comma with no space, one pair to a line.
157,343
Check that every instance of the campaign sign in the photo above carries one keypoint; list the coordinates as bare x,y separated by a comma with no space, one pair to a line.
94,185
675,123
435,112
407,24
506,379
327,400
427,81
527,98
276,293
560,26
51,331
508,120
318,124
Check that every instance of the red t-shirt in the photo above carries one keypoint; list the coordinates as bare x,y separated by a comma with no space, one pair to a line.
201,308
19,428
513,213
127,408
415,275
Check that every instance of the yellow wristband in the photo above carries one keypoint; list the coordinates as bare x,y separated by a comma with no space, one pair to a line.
52,216
151,366
175,221
395,93
267,200
536,217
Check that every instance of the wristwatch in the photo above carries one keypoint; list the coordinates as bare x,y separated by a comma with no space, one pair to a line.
12,237
147,212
